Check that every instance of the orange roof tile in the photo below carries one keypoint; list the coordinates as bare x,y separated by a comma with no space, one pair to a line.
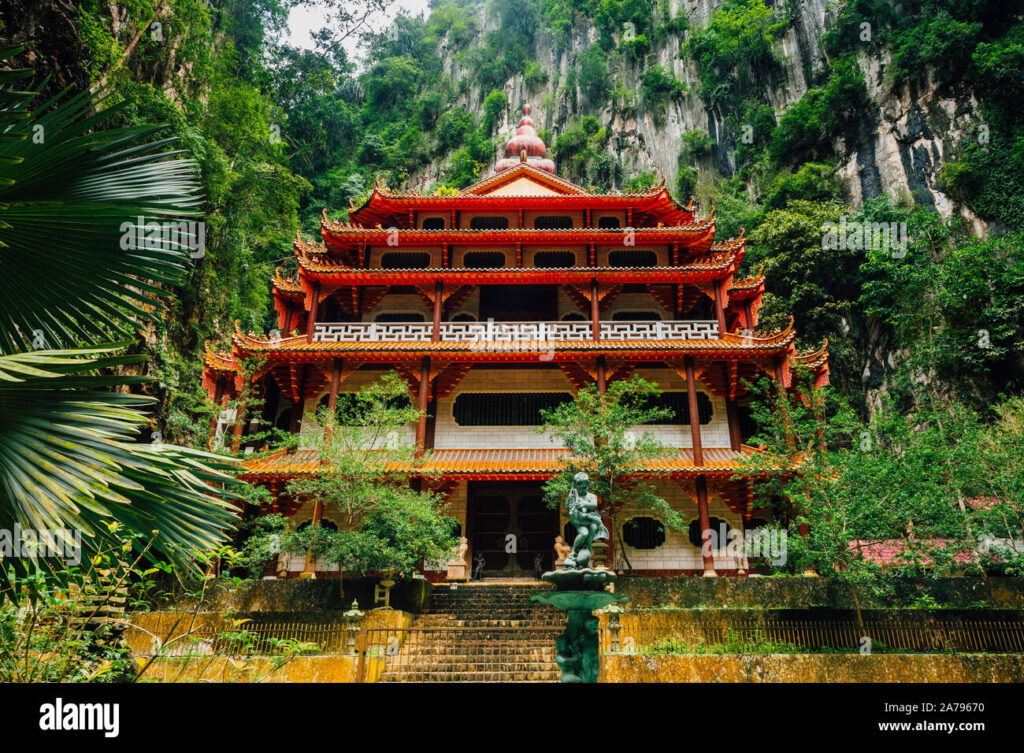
487,463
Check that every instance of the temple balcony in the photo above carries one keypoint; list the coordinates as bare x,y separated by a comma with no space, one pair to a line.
491,331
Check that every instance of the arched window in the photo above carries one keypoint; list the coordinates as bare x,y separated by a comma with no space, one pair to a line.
632,258
643,533
719,533
463,317
404,260
433,223
609,223
505,408
488,223
574,316
554,259
553,223
483,260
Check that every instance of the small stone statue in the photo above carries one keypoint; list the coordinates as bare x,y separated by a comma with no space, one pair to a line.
457,564
478,566
581,507
561,552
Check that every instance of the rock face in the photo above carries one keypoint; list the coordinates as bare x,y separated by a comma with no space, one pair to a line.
905,133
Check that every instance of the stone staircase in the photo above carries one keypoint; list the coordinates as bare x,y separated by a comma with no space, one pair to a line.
480,632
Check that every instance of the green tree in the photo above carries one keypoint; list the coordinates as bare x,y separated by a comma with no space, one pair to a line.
605,438
366,465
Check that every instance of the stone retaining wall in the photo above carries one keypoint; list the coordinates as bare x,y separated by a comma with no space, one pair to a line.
818,668
805,593
293,595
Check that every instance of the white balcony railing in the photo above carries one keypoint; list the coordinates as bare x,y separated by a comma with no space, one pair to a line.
490,331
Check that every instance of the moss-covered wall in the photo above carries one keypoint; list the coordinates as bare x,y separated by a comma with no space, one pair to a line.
819,668
308,596
805,593
146,628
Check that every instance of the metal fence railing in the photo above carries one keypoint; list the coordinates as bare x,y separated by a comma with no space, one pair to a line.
800,636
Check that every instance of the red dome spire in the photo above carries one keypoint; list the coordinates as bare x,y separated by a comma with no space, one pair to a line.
526,146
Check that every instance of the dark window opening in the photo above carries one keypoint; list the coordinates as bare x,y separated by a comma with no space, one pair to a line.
404,260
703,309
505,408
331,310
609,223
574,317
351,408
719,532
488,223
399,317
433,223
754,523
483,260
679,405
748,426
553,223
463,318
554,259
636,316
643,533
632,258
518,303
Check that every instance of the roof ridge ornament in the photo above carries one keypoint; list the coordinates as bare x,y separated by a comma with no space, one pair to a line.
526,146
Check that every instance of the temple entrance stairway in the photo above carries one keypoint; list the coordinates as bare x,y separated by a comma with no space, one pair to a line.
486,631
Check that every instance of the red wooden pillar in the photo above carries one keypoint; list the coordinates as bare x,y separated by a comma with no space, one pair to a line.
595,309
719,308
783,397
295,418
698,460
733,417
332,398
435,334
314,308
705,527
691,394
236,434
421,423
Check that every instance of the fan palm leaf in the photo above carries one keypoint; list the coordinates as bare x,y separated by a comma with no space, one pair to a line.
90,221
69,460
70,455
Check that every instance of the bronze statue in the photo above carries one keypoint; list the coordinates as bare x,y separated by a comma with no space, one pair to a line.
581,507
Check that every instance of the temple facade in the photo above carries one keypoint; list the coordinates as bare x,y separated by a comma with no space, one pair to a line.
503,299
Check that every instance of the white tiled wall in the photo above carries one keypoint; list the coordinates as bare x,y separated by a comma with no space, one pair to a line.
677,553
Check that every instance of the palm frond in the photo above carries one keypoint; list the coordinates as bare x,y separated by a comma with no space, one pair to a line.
70,458
90,221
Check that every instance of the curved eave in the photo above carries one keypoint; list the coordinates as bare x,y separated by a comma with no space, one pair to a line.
286,288
747,289
497,465
696,236
658,202
708,269
729,347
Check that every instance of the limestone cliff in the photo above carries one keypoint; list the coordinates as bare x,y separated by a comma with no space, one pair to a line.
903,134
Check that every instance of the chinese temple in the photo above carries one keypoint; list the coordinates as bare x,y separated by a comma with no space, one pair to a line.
505,298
